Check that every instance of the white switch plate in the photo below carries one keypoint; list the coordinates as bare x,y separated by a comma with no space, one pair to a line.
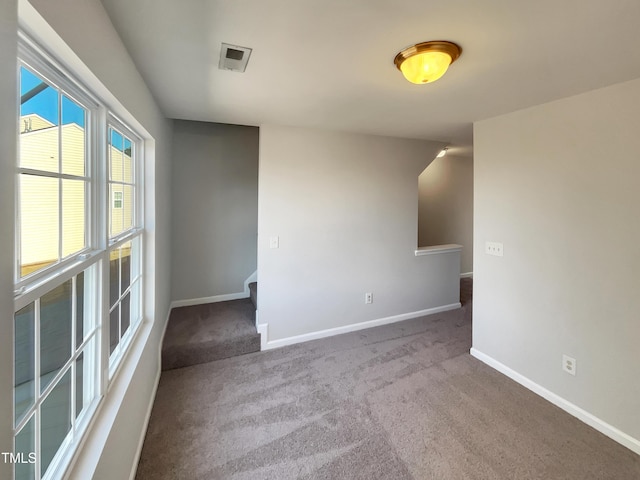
368,298
274,242
493,248
569,364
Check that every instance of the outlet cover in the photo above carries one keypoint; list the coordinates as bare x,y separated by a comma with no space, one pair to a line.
569,364
493,248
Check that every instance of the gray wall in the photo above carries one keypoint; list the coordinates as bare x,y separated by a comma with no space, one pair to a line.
445,209
8,137
215,208
344,207
92,47
559,185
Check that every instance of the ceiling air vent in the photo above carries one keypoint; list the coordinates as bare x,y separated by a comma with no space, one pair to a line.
234,58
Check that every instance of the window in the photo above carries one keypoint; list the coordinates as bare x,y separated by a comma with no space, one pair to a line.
54,178
78,268
124,238
55,371
117,200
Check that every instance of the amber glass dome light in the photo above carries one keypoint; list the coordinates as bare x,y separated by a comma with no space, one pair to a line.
426,62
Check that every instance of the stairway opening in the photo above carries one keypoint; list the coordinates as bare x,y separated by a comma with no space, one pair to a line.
208,332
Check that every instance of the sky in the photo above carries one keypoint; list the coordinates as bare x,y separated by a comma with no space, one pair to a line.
46,103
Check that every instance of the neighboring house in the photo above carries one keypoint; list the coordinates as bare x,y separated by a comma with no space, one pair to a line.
42,196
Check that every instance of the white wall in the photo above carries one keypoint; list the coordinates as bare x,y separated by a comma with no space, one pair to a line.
559,185
83,38
445,208
214,208
344,207
8,138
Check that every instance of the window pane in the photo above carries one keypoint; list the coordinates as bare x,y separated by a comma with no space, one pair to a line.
126,314
26,446
73,216
39,215
114,333
73,137
24,364
115,156
127,208
38,123
55,332
114,276
80,387
55,419
127,165
116,208
125,266
80,330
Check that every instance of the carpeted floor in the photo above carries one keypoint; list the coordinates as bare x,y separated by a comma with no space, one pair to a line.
203,333
403,401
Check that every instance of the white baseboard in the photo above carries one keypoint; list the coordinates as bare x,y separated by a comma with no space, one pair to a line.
147,417
466,275
216,298
267,344
189,302
263,330
610,431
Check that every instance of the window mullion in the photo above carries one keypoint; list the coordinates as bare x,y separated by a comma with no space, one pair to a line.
45,173
104,325
36,385
59,173
17,234
74,352
59,219
101,177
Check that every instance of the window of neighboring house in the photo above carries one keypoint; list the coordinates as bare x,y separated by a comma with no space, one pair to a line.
117,200
67,234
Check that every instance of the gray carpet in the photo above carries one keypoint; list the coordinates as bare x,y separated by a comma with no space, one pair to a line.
403,401
203,333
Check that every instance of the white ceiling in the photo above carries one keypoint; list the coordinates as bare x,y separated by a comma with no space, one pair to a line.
329,63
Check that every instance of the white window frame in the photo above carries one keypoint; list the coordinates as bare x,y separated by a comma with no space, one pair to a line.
34,58
94,258
133,235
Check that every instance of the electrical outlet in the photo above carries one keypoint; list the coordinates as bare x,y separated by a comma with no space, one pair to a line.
569,364
493,248
368,298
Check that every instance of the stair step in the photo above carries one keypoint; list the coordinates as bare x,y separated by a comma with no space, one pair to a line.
253,293
204,333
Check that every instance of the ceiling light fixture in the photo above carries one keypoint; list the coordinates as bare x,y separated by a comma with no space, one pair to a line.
442,153
426,62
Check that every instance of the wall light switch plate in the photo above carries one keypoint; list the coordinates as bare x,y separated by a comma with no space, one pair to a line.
493,248
274,242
